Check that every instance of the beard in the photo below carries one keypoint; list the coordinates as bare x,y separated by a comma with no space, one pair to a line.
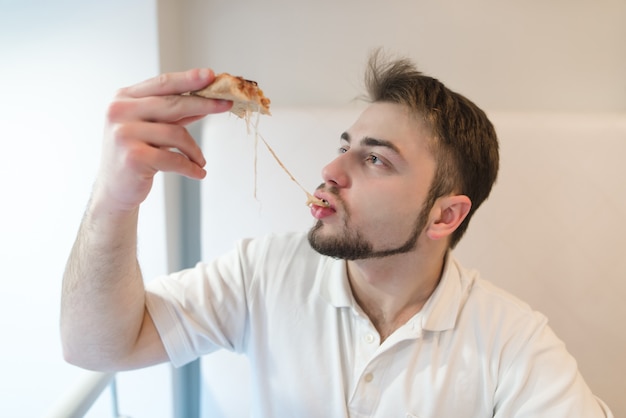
350,244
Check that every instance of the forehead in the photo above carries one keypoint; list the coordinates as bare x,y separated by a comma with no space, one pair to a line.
391,122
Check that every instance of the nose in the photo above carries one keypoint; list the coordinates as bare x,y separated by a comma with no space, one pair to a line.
335,173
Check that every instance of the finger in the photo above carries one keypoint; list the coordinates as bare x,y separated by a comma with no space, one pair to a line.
171,83
186,121
156,135
175,162
144,161
171,109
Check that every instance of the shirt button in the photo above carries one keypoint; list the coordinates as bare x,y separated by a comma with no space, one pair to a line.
368,377
369,338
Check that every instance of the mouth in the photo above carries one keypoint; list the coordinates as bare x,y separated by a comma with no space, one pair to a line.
324,200
316,201
322,207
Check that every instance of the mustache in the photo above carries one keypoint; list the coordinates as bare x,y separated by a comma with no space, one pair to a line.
329,189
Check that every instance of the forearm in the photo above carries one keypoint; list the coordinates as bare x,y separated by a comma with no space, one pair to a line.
102,306
104,322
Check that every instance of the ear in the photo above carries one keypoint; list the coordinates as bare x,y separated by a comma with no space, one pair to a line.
447,214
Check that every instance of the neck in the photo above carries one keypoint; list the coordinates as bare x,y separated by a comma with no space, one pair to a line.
391,290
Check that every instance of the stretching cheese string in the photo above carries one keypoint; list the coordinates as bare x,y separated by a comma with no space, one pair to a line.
311,200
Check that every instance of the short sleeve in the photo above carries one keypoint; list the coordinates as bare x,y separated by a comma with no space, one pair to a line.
204,308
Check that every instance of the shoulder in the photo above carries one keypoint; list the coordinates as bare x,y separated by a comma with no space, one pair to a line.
465,302
278,247
535,374
517,334
282,257
491,303
284,240
507,327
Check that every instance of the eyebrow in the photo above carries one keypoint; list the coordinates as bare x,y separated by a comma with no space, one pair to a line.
372,142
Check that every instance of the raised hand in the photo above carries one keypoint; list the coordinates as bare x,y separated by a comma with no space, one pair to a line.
145,133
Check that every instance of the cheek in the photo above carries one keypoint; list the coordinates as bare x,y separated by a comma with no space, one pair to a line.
388,217
384,203
397,202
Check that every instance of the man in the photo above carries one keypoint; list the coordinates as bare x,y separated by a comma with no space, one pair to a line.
368,315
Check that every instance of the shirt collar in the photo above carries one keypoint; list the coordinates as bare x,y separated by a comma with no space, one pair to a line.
442,308
438,314
334,284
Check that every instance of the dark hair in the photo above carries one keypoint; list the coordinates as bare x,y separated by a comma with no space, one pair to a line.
464,142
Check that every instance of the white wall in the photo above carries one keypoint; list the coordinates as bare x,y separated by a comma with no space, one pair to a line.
60,64
558,55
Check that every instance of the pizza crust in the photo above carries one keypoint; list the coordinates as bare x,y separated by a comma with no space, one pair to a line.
246,95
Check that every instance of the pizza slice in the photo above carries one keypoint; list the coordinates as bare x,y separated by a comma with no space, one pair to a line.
246,95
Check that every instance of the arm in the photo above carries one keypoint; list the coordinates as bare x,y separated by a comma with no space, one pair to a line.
104,322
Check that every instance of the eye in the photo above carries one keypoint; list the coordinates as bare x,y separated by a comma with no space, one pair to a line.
342,150
374,159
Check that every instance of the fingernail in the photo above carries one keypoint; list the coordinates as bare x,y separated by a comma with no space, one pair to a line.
204,74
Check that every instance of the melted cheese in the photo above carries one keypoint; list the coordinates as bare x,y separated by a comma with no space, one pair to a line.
311,200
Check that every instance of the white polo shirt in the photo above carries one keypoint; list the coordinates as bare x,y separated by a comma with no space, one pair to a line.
473,351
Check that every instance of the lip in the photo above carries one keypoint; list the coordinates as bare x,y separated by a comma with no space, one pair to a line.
325,197
320,212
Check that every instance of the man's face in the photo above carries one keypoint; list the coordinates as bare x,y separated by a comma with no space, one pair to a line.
376,187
